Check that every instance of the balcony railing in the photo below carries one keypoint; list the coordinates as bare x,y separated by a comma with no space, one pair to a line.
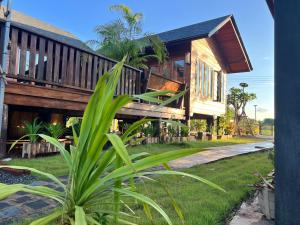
38,60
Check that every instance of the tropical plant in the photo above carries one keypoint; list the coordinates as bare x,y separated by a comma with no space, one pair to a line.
97,189
172,131
32,129
198,125
184,131
55,130
238,99
125,36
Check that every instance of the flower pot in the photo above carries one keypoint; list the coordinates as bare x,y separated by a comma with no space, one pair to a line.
266,200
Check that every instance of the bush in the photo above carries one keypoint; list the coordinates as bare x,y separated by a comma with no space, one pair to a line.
198,125
184,132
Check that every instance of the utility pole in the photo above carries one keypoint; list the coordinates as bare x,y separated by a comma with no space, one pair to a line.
255,112
4,63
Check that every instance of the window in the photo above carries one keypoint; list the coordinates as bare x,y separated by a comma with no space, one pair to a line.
179,68
206,79
197,77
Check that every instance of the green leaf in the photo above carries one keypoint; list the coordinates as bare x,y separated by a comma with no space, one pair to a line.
48,175
47,219
150,161
119,147
66,155
80,216
146,200
172,172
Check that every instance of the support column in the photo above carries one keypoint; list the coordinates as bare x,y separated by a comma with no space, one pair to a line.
4,131
287,111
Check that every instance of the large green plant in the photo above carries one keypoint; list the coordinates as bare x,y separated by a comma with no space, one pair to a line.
125,36
97,191
32,129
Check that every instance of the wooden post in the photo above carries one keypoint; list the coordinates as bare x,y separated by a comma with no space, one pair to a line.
287,111
4,131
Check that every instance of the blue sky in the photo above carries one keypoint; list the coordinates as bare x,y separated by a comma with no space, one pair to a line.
253,19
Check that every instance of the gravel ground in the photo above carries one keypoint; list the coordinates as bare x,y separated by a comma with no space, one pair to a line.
8,178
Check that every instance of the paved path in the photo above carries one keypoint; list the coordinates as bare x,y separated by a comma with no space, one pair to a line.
217,153
23,205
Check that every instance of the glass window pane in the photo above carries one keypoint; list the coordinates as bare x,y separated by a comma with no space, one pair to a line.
179,68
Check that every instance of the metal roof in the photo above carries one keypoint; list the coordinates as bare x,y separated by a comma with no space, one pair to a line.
198,30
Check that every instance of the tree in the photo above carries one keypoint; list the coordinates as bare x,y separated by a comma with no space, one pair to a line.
238,99
125,37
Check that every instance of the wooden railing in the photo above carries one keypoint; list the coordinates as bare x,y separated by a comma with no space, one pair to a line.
39,60
157,82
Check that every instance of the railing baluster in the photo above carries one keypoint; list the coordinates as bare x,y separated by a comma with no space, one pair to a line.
13,52
77,68
70,71
24,41
32,55
56,63
49,76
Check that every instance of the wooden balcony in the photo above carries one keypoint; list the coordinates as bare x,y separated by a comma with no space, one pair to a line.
45,72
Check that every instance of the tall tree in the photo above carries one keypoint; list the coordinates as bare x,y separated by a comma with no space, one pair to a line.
125,37
238,99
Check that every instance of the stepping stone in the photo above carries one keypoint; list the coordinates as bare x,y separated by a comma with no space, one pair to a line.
60,189
37,204
10,212
3,205
23,199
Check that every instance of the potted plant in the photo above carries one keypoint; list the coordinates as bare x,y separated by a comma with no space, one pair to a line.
32,129
56,131
184,132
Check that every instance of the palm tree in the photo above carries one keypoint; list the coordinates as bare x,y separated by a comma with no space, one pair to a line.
125,36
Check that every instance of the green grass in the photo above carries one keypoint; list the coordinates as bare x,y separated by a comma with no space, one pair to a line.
201,204
56,165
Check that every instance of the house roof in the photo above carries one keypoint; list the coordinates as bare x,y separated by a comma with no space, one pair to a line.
271,5
195,31
226,34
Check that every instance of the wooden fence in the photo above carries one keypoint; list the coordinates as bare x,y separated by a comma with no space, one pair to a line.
39,60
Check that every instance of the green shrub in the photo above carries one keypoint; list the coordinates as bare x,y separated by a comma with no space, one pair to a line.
198,125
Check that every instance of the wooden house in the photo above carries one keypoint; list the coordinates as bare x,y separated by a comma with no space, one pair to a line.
52,74
200,57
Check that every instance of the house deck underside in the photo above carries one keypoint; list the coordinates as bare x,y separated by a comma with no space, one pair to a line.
76,100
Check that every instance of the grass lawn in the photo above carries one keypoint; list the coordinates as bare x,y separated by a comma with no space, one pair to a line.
56,165
201,204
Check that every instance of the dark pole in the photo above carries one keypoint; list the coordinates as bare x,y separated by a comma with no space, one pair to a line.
4,61
287,111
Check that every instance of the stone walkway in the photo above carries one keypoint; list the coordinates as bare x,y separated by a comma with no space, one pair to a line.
217,153
23,205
